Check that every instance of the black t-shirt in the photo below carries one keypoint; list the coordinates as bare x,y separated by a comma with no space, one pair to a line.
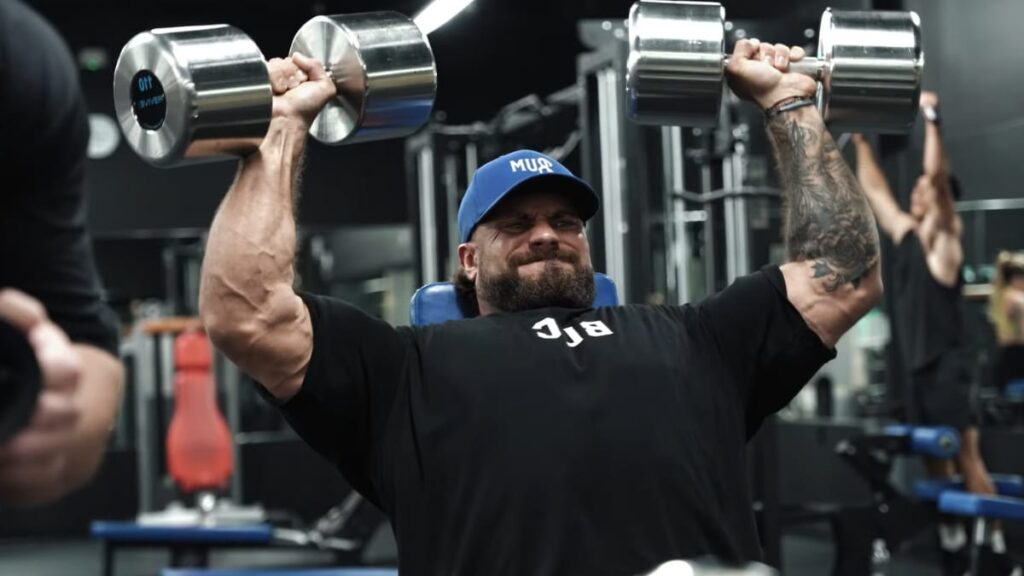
557,441
44,248
927,313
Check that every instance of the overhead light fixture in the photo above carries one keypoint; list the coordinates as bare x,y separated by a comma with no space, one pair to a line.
438,12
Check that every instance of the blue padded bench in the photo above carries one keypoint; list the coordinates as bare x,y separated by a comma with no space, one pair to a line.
981,509
284,572
436,302
937,441
1006,485
189,545
1014,391
978,506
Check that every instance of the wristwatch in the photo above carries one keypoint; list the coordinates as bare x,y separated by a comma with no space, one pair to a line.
931,114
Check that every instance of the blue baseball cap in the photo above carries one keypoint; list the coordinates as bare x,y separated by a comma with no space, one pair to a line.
503,175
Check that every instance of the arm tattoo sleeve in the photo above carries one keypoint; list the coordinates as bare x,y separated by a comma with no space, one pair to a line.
828,222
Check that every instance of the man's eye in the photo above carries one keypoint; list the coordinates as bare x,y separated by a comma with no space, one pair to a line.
516,226
568,224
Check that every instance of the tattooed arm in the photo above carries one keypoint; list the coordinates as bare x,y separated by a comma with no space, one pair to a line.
832,270
832,242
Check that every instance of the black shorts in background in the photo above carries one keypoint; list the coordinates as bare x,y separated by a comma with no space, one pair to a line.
1009,365
940,393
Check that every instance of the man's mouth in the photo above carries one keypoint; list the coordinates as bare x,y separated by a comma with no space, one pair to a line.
552,258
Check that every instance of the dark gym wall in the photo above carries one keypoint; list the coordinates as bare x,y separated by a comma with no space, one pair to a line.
973,59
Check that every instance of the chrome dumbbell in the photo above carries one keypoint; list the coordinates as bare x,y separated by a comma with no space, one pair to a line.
868,68
200,93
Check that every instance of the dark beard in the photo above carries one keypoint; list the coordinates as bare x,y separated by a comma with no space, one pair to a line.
556,286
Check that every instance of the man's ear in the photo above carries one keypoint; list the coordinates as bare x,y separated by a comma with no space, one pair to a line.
468,260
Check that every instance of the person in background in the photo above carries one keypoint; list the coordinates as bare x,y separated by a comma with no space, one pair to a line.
927,292
1006,311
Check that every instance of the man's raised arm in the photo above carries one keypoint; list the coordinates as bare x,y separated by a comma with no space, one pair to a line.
247,302
935,164
832,274
893,220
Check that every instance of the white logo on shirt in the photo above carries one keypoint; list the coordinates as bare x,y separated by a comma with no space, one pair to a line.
538,165
548,329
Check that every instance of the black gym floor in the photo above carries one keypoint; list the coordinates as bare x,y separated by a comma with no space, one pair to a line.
807,553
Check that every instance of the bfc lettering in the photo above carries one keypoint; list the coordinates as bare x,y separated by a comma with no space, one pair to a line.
548,329
535,165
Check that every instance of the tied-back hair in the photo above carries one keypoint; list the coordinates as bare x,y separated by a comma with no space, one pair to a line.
465,294
1008,265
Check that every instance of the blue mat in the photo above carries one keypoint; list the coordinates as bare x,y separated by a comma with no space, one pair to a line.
133,532
283,572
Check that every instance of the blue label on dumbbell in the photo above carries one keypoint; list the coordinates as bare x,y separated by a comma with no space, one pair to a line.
149,103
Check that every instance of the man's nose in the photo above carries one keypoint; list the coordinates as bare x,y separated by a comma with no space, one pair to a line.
543,234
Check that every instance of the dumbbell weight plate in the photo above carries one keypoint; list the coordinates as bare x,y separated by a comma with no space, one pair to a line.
383,68
674,73
191,94
873,80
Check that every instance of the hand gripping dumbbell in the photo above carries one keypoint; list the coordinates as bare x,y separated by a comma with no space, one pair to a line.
868,68
199,93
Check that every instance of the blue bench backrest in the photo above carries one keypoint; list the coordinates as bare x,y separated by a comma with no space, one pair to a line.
436,302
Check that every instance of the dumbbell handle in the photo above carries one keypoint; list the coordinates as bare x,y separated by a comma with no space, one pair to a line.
808,66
